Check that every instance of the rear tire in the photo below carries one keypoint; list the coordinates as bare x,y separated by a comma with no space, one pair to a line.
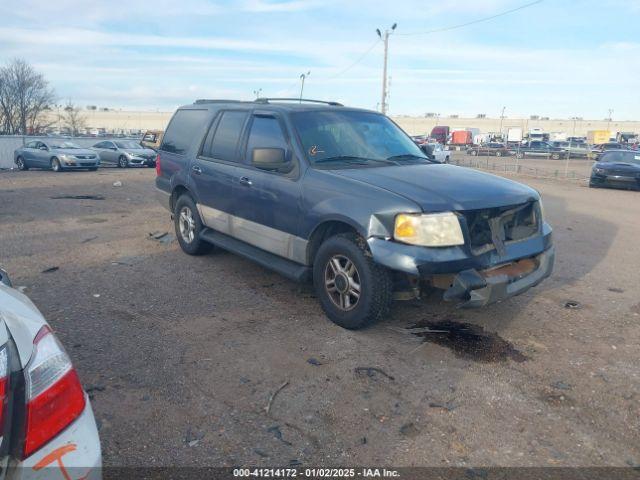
474,153
353,290
21,164
498,154
188,226
519,155
56,166
556,156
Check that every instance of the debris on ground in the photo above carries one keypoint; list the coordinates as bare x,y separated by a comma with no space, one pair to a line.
313,361
560,385
295,463
572,304
616,290
21,288
117,183
87,240
261,453
164,238
448,406
77,197
277,433
372,372
50,269
273,396
96,295
193,438
409,430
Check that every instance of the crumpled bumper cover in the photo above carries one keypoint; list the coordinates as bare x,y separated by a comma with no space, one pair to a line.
475,290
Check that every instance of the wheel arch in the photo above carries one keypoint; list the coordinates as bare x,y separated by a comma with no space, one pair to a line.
177,192
326,229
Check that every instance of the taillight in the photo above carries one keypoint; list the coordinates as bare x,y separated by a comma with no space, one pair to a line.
53,392
4,385
158,168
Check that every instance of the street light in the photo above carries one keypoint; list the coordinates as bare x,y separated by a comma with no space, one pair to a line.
303,76
385,37
502,118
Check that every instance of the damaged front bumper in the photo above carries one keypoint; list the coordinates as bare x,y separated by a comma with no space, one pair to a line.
473,280
475,288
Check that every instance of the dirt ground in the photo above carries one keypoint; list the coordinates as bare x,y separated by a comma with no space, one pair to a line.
181,355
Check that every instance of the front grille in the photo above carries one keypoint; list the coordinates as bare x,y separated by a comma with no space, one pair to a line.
87,164
84,157
491,228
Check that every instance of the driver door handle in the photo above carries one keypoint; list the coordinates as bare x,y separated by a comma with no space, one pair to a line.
196,169
245,181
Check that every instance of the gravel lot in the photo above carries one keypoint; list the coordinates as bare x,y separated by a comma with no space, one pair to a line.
181,355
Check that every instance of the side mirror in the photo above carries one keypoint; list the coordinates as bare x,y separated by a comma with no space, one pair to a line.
4,278
272,159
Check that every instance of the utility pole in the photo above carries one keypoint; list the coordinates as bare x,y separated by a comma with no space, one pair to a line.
385,37
257,93
502,118
609,119
302,77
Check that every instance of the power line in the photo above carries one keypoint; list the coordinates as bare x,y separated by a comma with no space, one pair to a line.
360,59
473,22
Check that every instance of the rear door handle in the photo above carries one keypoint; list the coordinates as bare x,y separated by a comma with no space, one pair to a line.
245,181
196,169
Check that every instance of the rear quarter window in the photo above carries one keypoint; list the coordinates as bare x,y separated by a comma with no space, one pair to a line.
182,130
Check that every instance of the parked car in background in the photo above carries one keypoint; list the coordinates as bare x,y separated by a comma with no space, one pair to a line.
489,149
617,168
45,415
575,150
597,150
436,152
360,209
152,139
125,153
537,148
57,155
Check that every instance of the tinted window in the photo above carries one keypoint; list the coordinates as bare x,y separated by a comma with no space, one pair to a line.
182,130
31,145
630,157
265,133
224,144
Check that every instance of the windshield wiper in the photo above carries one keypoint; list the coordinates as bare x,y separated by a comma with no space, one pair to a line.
344,158
407,156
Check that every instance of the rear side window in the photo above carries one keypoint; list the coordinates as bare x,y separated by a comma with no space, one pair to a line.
222,144
182,130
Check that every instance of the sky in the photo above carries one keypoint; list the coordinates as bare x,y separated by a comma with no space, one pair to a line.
557,58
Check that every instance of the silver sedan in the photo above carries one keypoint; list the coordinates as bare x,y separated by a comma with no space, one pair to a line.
125,153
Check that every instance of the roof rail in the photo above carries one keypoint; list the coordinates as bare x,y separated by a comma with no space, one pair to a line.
300,100
200,101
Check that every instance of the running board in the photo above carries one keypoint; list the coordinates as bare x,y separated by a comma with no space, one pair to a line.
287,268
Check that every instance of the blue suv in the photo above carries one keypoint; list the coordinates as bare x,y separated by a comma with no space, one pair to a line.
344,198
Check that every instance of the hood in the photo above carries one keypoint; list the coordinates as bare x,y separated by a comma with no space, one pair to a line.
140,152
441,187
74,151
619,166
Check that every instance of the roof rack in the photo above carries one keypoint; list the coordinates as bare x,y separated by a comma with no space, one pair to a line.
299,100
200,101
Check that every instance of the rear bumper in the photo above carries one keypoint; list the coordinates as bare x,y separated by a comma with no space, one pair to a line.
474,289
76,449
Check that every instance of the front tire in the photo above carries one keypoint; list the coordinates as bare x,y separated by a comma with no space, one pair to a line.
123,162
474,153
498,154
56,166
188,226
353,290
21,164
519,155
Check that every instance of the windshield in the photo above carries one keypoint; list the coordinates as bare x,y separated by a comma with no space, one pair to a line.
360,138
129,144
66,145
627,157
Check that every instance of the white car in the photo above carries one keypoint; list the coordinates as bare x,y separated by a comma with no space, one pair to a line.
437,152
47,424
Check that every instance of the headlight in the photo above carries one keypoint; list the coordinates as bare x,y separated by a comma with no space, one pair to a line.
598,170
429,230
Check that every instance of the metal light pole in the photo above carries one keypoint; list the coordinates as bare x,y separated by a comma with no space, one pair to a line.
609,119
257,93
302,77
385,37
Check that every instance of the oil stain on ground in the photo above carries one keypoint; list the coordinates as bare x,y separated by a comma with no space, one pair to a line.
468,341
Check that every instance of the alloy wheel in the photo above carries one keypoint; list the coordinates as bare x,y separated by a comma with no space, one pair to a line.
187,225
342,282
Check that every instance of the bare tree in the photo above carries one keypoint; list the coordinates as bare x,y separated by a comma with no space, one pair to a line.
73,119
24,97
